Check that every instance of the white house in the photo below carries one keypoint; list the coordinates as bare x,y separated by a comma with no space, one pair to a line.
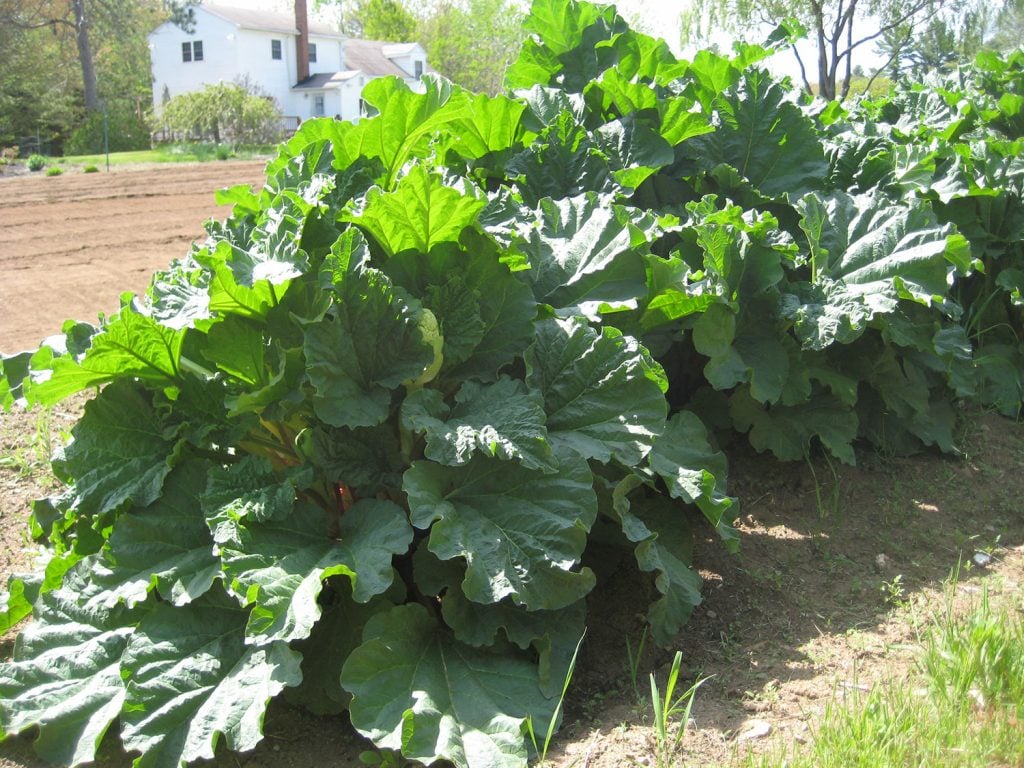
231,43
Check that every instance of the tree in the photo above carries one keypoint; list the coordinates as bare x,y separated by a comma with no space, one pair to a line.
473,42
378,20
838,28
939,45
78,18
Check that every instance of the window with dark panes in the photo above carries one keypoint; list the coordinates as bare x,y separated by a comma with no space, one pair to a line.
275,49
186,51
312,53
418,67
197,50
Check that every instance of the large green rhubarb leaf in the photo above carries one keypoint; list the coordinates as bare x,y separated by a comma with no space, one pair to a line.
417,690
66,674
520,531
121,451
603,393
765,137
586,257
503,419
868,242
553,634
664,546
165,546
130,345
484,312
419,213
367,345
695,472
192,679
279,566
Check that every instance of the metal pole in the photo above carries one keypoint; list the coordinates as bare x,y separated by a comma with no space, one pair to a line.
106,137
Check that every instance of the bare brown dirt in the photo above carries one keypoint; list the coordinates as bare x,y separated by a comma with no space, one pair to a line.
71,244
838,569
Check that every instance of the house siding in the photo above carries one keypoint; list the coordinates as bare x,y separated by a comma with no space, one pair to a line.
233,51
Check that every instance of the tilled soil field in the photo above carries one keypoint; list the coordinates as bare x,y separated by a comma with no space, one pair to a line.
71,244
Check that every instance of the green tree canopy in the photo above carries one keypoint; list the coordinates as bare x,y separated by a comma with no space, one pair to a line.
837,27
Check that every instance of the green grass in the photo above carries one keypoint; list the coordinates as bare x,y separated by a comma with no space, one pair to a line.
174,153
963,706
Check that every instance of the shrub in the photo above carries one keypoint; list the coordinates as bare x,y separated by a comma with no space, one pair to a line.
126,131
36,162
223,152
223,111
90,169
54,171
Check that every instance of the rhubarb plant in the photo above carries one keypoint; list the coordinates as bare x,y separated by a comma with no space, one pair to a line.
353,448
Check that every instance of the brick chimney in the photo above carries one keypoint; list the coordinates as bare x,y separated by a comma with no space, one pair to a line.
302,43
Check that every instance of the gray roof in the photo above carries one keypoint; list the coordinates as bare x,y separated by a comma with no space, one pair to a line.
267,21
369,57
324,80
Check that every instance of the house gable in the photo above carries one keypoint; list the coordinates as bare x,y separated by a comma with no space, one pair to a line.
242,44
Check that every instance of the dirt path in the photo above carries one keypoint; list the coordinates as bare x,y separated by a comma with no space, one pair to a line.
71,244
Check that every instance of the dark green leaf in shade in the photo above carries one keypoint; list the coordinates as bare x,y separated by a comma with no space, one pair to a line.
65,677
520,531
696,473
664,542
787,431
338,632
249,488
165,546
370,342
603,394
503,419
368,460
192,680
121,451
279,566
553,634
417,690
484,312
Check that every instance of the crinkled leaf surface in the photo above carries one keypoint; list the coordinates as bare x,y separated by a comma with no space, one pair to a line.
164,547
192,679
763,136
485,312
66,674
130,345
503,419
419,213
881,251
249,488
367,345
553,634
121,451
583,257
418,690
521,531
695,473
279,565
603,394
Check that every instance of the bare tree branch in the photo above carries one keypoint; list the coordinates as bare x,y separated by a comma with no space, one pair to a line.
803,71
914,10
